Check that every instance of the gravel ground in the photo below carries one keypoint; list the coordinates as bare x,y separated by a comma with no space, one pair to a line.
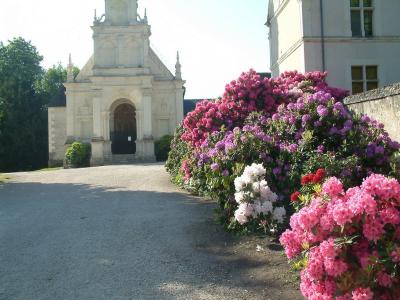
125,232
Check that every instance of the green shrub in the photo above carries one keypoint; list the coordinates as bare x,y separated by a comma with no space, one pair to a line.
78,155
162,147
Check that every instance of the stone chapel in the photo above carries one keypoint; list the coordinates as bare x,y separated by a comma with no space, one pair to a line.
123,99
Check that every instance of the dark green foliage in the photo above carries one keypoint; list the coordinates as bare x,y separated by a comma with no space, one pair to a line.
78,155
179,150
162,147
23,114
25,91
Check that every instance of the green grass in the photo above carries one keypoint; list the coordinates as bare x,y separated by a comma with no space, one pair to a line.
49,169
3,178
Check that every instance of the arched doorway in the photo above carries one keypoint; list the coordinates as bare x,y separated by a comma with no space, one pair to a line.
124,130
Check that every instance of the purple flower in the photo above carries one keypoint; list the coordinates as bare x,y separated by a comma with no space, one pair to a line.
275,117
292,148
229,146
365,119
379,150
333,131
317,123
321,149
292,120
299,135
305,119
225,173
322,111
276,171
215,167
300,106
220,145
348,125
212,152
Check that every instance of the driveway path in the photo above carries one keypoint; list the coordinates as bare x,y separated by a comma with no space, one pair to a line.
121,232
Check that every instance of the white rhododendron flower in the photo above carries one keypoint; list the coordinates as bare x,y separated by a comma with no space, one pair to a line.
263,207
239,197
247,209
239,184
240,217
255,198
256,187
279,214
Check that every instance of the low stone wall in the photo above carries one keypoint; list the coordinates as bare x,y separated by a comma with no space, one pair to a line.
381,104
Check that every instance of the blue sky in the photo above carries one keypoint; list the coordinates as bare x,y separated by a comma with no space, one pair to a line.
217,39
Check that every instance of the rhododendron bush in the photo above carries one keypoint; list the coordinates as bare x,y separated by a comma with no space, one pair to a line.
347,242
292,125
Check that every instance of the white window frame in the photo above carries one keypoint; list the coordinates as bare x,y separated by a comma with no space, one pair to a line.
361,9
364,76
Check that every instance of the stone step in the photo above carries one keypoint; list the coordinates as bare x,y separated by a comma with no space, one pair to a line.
123,159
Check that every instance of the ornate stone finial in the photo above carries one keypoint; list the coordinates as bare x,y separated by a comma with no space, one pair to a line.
70,70
95,16
178,68
145,15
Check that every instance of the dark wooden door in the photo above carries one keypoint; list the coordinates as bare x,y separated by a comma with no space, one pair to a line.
124,135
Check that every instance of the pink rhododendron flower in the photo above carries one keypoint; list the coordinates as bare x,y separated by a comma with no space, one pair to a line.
332,187
363,294
343,233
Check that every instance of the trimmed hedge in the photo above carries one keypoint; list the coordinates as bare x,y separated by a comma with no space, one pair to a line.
162,147
78,155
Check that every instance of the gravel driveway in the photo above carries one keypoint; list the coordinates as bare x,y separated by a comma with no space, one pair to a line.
124,232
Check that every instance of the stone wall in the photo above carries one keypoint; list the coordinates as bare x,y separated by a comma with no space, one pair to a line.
57,135
382,104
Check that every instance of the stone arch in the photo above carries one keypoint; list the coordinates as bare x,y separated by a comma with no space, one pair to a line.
123,127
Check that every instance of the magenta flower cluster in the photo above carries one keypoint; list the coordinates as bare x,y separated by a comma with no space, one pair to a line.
251,93
350,241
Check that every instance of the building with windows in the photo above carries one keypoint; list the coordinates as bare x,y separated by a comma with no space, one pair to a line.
356,41
124,97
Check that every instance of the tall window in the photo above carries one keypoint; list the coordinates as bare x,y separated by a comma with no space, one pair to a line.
361,18
364,78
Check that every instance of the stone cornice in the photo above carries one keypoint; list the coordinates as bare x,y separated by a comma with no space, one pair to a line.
278,11
342,39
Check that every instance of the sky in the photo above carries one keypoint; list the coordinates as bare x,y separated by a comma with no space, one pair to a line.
217,39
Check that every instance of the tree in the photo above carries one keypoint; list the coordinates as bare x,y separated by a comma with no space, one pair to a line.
23,113
25,91
52,81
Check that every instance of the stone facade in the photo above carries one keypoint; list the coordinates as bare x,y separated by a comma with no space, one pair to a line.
382,104
317,35
123,72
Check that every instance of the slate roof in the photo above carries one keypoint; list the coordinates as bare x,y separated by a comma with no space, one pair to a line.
380,93
59,100
190,104
264,74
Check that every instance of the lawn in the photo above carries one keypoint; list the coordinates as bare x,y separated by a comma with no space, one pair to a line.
3,178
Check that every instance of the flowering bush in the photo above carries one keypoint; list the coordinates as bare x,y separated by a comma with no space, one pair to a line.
347,243
325,135
256,200
248,94
294,125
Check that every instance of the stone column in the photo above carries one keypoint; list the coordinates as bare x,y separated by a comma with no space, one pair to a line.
148,140
106,135
97,139
70,118
139,140
179,105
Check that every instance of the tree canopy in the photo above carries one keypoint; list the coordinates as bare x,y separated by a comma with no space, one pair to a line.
25,90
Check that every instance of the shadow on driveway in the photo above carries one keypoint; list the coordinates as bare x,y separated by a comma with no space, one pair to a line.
71,241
